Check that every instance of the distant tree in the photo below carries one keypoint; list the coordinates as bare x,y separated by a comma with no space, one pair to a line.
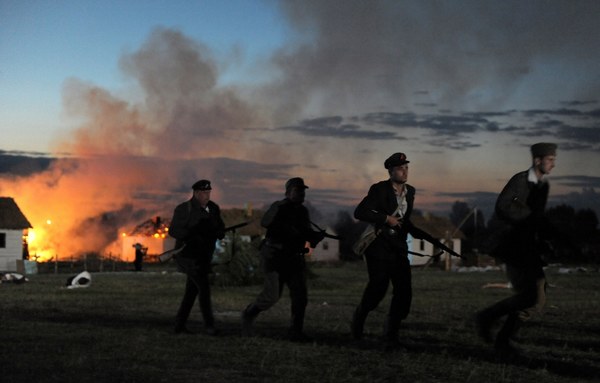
574,234
586,222
459,211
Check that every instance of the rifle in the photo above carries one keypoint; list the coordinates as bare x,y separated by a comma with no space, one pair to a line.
234,227
167,255
325,233
421,234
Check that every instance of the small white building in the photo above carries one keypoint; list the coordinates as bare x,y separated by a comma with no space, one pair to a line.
13,224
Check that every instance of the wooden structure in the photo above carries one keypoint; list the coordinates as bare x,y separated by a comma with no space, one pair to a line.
13,229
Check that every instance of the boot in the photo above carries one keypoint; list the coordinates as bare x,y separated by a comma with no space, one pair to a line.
248,316
296,333
390,335
503,346
483,323
358,323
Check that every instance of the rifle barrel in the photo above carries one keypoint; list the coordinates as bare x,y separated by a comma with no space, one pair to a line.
236,226
332,236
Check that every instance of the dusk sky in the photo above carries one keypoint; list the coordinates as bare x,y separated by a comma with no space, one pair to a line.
150,96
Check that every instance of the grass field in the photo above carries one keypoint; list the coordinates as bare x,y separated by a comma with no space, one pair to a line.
120,330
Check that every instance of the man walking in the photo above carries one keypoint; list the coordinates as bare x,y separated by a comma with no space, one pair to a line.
387,208
520,208
196,225
282,258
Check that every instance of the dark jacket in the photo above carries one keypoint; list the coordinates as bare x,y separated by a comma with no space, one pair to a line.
288,227
520,210
198,229
374,209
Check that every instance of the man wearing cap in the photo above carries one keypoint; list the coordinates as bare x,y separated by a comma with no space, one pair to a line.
196,225
387,207
520,209
282,258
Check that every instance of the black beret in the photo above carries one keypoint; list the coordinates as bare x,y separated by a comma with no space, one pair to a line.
543,149
202,185
396,159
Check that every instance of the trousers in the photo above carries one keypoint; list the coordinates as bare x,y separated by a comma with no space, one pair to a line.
196,285
381,273
529,284
277,274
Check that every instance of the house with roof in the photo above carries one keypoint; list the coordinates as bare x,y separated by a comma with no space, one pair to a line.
13,226
440,228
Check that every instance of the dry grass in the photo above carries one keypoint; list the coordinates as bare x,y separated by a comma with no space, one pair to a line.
120,330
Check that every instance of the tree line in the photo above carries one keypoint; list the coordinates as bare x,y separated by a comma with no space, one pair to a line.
573,236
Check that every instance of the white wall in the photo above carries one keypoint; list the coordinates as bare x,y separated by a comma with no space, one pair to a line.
13,250
424,247
328,250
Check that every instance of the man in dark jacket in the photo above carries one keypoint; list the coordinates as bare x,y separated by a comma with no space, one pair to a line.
387,207
282,258
520,209
196,225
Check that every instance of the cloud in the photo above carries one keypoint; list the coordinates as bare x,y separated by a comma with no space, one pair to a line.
578,181
22,164
335,128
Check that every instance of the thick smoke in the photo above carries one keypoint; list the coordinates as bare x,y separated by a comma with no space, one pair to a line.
392,55
131,160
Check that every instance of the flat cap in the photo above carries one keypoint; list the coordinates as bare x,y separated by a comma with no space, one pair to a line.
396,159
295,182
202,185
543,149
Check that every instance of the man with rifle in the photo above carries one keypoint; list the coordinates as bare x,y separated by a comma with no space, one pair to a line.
387,208
282,258
196,226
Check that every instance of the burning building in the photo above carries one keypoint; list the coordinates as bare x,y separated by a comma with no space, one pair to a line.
152,234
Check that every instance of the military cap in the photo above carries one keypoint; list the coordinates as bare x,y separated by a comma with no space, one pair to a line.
396,159
202,185
295,182
543,149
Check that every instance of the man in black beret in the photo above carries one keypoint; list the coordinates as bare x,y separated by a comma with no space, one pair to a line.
520,220
387,208
282,258
196,226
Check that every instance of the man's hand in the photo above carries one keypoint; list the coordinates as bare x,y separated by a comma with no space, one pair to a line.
392,221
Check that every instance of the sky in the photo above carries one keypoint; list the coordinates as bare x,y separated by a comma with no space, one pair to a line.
139,99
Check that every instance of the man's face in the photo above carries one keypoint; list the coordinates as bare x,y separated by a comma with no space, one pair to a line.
202,196
545,164
399,174
297,194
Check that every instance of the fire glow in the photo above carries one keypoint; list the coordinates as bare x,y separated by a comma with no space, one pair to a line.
40,244
123,160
